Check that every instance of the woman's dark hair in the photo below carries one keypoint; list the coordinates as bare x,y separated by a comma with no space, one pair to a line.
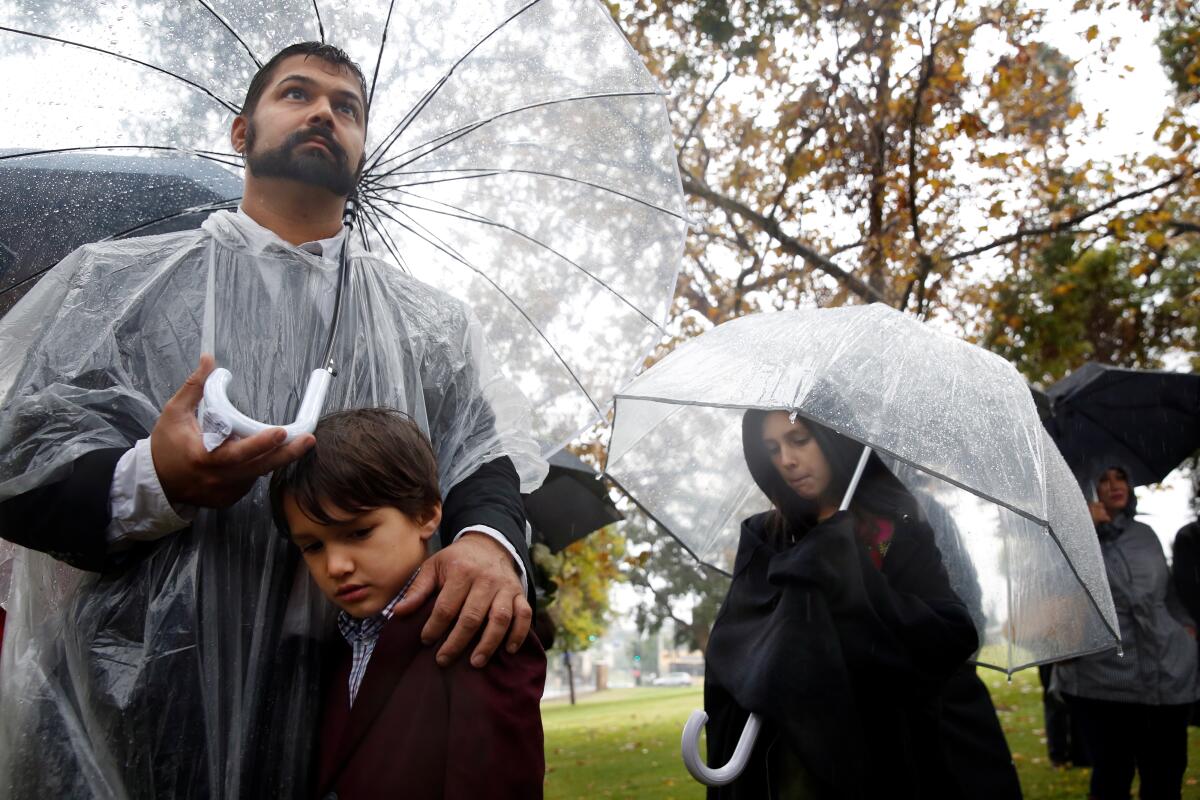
326,52
1131,502
879,492
364,458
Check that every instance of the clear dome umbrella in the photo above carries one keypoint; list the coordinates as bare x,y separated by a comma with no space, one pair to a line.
519,154
956,424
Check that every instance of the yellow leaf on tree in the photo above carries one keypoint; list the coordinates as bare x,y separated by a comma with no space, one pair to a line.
1093,32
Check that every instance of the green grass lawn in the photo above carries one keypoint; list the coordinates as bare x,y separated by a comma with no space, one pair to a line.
625,743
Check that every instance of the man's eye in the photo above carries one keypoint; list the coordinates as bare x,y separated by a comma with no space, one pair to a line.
349,110
295,92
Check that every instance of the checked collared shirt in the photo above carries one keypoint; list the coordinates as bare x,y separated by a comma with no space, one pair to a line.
362,634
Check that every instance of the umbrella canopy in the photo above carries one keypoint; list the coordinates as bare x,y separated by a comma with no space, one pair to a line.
70,199
955,423
519,154
572,502
1143,420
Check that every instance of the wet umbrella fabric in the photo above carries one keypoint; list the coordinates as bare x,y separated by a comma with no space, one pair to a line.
519,154
1147,421
68,200
954,423
571,503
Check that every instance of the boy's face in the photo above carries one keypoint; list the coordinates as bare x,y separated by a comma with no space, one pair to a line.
361,561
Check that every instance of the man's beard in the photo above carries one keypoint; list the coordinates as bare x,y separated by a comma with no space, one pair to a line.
310,166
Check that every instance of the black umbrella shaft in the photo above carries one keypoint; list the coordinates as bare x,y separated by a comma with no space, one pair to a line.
348,218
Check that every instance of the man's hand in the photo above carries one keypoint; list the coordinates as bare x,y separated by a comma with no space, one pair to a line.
478,581
191,475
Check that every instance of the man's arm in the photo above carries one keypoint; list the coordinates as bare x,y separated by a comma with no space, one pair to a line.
490,497
67,519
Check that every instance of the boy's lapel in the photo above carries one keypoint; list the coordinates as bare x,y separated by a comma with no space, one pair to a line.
399,642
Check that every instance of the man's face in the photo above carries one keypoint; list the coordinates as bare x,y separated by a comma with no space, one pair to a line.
308,126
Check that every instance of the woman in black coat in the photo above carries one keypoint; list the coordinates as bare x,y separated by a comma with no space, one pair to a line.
840,630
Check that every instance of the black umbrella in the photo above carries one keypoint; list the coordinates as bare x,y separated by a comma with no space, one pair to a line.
1143,420
69,199
571,503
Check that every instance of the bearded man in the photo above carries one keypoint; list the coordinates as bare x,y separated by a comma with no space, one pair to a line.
185,663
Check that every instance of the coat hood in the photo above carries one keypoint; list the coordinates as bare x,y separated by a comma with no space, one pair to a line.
879,492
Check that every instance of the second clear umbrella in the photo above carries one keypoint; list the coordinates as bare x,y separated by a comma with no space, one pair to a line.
954,423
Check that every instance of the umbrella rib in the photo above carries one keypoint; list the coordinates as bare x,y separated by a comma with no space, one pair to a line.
227,104
215,206
386,240
658,522
320,25
503,294
492,171
452,136
469,216
209,155
232,32
412,113
1054,537
379,59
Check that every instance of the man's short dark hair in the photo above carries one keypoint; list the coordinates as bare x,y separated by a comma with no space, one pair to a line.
364,458
325,52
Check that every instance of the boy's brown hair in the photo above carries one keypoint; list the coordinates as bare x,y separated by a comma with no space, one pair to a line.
364,458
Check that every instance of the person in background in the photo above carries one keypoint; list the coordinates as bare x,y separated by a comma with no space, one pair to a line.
1133,706
840,629
1185,567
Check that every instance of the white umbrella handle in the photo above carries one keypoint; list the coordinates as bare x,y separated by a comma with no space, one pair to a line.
858,471
217,400
718,776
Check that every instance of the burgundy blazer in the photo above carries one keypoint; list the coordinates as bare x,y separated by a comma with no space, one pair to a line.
418,730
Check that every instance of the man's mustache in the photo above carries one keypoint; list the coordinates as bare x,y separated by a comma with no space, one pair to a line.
300,137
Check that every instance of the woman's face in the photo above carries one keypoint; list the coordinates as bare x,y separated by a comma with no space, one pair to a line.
796,455
1112,490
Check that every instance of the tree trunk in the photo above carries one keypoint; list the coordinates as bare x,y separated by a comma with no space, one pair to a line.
570,676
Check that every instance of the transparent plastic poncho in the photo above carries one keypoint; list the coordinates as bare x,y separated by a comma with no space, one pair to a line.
955,423
191,673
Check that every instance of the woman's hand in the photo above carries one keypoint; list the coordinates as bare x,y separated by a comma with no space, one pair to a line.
1099,513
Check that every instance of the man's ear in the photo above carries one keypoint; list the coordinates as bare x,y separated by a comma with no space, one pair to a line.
237,134
430,525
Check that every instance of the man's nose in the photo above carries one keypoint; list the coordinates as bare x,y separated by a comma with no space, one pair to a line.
321,113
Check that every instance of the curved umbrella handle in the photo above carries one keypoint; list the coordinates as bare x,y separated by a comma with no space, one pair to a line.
217,400
741,754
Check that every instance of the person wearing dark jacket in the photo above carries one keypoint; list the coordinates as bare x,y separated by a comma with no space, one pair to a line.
840,630
1133,706
1185,573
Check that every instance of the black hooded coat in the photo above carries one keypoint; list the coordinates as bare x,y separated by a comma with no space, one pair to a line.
844,662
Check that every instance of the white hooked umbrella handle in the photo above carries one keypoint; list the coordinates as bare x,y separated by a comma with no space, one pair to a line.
721,776
216,400
718,776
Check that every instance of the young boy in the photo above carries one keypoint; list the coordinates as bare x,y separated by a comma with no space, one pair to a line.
362,506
